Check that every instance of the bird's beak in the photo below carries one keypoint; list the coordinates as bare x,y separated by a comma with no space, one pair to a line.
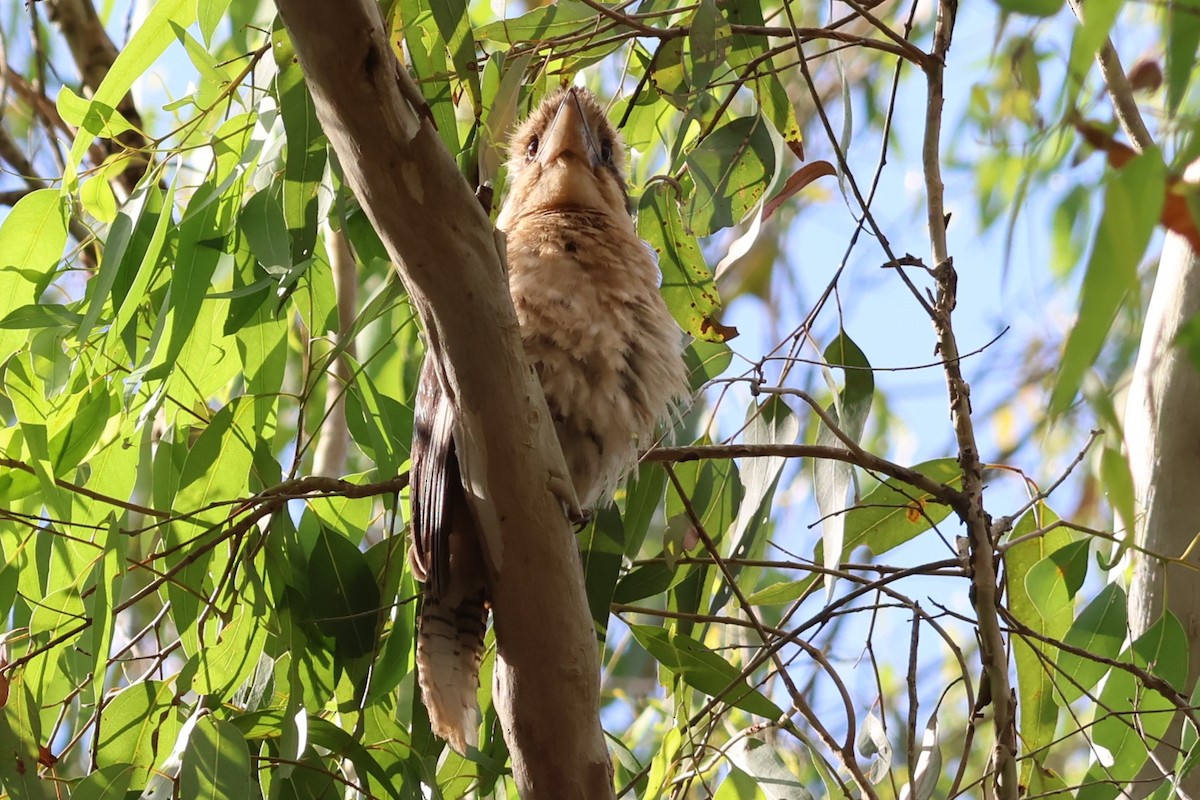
569,133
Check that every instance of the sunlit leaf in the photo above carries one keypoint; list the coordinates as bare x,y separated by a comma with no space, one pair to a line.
216,763
761,761
1182,25
703,669
687,284
139,726
1133,201
831,479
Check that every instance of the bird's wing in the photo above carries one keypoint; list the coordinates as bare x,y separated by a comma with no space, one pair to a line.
434,479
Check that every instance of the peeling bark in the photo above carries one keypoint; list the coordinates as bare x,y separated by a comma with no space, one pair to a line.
547,690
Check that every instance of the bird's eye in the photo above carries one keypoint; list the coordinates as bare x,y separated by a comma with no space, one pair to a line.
606,153
531,150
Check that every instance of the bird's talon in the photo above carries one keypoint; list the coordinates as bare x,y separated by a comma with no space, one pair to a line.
580,518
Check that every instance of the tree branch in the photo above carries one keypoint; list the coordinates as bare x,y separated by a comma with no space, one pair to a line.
547,675
983,562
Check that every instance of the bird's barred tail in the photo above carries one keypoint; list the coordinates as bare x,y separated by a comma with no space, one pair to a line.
449,649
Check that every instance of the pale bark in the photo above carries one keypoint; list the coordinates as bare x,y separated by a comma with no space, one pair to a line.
1162,434
333,443
548,668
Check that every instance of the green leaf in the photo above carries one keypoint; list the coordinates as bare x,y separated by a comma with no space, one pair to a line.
762,762
266,231
108,783
687,283
342,589
894,512
703,669
139,726
831,479
120,233
216,762
145,46
643,497
96,118
1133,202
1032,8
731,170
1042,602
1118,485
304,163
1053,582
41,315
708,41
455,26
105,583
602,547
773,102
770,423
706,361
32,238
209,14
1098,18
1164,650
223,666
1182,25
1099,630
413,21
195,264
129,296
217,470
20,737
546,22
1132,713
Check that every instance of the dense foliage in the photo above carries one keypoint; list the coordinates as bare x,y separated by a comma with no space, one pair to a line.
208,366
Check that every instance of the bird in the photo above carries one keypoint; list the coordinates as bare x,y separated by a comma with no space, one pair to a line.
604,345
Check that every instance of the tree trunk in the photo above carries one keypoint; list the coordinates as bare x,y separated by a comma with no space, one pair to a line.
547,691
1162,434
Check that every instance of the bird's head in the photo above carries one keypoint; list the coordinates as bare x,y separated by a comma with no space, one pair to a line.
565,157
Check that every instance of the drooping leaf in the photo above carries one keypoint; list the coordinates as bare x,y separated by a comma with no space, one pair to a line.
1182,25
703,669
1039,597
831,479
139,726
761,761
216,763
688,285
145,46
304,163
32,238
1133,201
343,594
1099,629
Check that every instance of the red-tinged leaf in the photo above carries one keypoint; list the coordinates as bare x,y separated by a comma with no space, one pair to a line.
1119,154
797,147
1177,217
3,691
45,757
798,180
